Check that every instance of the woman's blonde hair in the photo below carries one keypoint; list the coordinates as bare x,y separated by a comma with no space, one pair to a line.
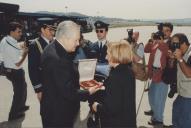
120,52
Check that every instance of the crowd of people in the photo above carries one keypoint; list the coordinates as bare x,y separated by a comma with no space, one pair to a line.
52,59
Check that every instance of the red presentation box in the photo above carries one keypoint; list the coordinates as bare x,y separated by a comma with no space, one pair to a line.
86,68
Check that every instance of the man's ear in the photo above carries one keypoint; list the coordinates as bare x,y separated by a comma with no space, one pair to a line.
42,29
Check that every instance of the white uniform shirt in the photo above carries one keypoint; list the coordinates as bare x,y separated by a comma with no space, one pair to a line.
46,40
102,41
10,55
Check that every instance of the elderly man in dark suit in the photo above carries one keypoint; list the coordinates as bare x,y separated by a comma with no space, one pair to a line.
61,97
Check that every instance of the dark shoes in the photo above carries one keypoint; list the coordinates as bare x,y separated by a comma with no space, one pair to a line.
148,113
167,126
16,116
20,114
158,124
25,108
155,122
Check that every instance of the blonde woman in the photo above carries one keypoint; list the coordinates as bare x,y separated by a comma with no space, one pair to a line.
118,108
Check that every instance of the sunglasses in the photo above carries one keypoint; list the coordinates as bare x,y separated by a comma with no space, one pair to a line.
99,31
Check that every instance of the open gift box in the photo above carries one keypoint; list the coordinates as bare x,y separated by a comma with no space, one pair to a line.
86,68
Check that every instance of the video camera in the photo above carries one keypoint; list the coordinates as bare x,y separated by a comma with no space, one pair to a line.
173,46
130,36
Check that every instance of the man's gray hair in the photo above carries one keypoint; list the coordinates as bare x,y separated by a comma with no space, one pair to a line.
67,28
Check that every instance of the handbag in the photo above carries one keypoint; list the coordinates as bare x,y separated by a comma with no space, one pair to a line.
140,70
93,120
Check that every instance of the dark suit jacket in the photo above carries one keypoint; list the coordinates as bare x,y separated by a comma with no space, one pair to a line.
61,95
119,105
95,52
34,64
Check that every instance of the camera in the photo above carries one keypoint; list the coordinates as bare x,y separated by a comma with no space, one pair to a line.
26,37
160,26
173,90
173,46
130,36
158,35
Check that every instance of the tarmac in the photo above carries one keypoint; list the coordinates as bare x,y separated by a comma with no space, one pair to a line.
32,117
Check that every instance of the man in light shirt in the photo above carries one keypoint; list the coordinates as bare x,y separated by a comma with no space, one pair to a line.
181,114
13,55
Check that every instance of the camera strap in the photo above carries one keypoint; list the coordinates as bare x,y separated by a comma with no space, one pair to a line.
38,45
12,45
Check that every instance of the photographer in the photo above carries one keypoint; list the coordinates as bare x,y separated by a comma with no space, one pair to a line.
158,89
47,31
130,36
181,115
138,48
14,54
167,29
170,71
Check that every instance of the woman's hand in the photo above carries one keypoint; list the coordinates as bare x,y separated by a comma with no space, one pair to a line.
94,106
94,89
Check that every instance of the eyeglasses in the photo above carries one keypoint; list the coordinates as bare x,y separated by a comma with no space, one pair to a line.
99,31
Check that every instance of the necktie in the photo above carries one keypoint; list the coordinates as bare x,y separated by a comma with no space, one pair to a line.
100,46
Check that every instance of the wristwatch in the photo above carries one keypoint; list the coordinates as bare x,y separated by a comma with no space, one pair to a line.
180,60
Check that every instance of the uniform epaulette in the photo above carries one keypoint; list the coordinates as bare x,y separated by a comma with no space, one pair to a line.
33,42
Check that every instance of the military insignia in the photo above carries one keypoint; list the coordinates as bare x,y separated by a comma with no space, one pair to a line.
98,25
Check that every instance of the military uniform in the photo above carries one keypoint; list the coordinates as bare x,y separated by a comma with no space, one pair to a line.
34,63
98,52
99,49
34,56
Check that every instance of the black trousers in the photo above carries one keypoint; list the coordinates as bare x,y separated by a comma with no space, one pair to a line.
17,77
56,123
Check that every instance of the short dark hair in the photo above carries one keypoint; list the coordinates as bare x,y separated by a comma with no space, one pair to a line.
13,26
169,25
182,38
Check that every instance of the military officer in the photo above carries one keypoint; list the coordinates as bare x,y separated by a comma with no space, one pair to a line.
99,48
47,31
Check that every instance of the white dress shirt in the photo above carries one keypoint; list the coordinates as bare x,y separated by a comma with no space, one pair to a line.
157,59
47,41
10,55
102,41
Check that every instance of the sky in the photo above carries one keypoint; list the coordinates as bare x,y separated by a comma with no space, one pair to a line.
127,9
